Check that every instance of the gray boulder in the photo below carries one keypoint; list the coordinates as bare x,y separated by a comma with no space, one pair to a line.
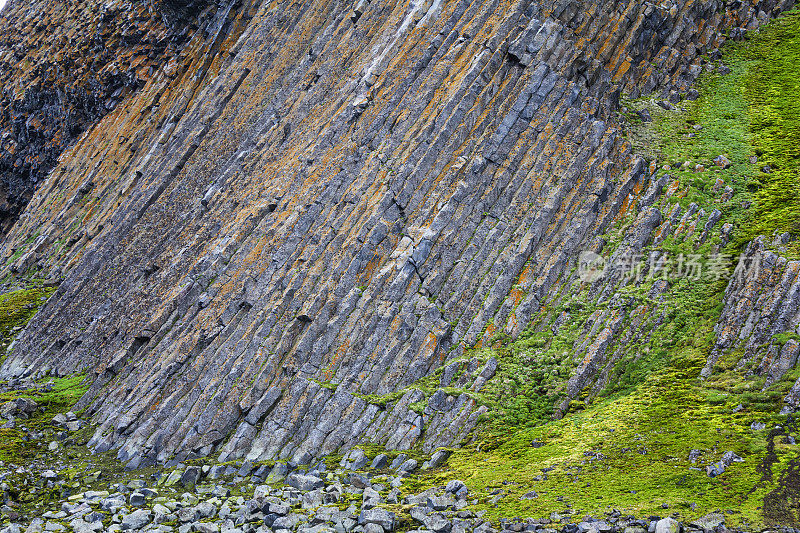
399,460
437,523
381,517
206,510
191,476
407,467
709,522
454,486
380,461
205,527
18,408
304,482
287,522
137,519
438,459
667,525
355,459
278,473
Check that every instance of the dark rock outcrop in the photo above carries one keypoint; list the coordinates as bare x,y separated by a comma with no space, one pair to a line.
65,65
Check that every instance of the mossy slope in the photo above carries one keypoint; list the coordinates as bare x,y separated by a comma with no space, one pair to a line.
628,446
16,310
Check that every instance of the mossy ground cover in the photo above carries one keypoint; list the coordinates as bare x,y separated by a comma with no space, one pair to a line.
753,112
27,446
631,453
628,448
64,393
16,310
772,89
57,395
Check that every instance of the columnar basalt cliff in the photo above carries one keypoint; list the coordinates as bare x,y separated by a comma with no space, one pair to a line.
319,202
65,65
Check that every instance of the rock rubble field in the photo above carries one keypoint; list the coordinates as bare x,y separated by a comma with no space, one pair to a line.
358,495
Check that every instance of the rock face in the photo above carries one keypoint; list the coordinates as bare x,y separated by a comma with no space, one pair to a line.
762,300
65,65
314,205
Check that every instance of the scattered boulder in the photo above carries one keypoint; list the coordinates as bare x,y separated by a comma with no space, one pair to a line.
18,408
399,460
260,473
215,472
278,473
137,519
304,482
380,462
722,162
173,478
709,522
355,459
728,458
438,459
137,499
206,510
359,481
407,467
667,525
454,486
381,517
190,476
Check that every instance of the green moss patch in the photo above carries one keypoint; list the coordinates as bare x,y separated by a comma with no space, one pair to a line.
16,310
632,453
772,89
56,395
752,117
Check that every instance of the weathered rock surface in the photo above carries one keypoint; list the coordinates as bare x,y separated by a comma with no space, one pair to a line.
762,300
319,204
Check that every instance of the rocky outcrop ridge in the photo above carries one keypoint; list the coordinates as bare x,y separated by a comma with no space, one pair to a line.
762,301
329,202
